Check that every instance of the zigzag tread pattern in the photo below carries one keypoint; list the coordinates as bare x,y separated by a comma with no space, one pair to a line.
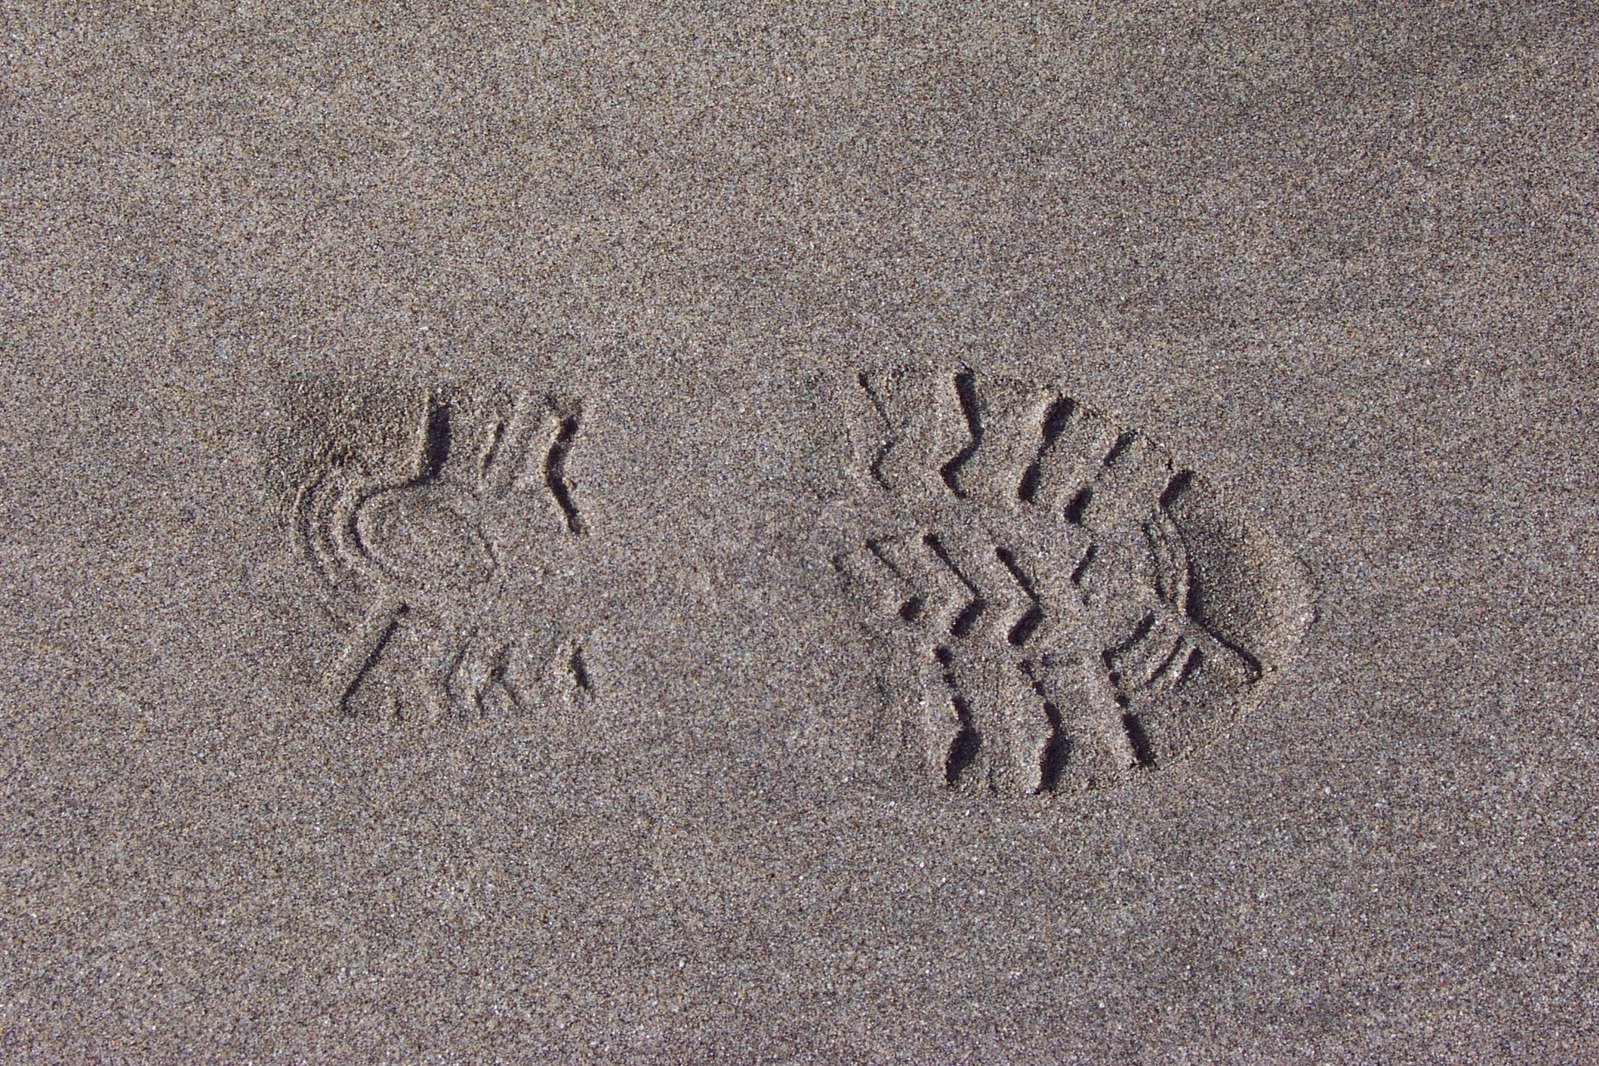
1045,590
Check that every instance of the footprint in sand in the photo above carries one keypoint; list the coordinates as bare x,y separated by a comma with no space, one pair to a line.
1065,606
421,549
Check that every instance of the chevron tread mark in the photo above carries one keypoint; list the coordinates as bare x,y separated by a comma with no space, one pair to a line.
1043,611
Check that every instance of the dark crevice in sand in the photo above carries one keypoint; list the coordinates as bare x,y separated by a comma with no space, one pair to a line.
964,749
555,472
1079,505
1034,617
364,651
1054,425
1118,449
1140,631
1023,630
1143,753
967,616
1195,656
1175,488
491,449
1056,754
889,439
435,440
1180,652
876,548
580,672
1081,569
1252,666
1057,748
966,390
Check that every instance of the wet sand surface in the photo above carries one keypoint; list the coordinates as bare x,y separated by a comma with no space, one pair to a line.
1004,534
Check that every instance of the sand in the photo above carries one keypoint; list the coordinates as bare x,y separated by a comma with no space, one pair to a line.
562,536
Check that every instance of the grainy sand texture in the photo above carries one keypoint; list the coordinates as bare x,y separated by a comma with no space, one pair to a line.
799,533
